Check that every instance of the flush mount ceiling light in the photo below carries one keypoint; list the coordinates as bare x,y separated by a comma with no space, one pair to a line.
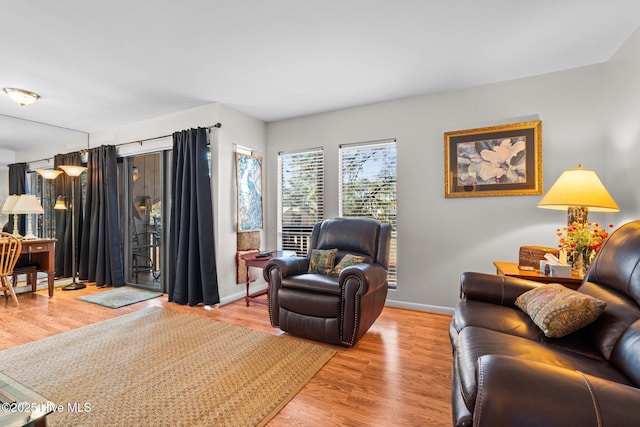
22,97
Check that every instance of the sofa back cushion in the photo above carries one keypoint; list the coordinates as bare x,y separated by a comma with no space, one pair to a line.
626,353
617,264
614,277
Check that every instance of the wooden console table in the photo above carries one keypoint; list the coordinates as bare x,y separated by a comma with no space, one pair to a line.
511,269
250,260
41,253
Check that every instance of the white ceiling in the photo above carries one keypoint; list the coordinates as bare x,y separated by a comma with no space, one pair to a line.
99,65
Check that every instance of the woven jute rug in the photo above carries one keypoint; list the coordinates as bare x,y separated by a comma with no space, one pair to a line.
160,367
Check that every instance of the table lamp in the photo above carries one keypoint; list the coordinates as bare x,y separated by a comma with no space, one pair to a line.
578,191
7,209
28,204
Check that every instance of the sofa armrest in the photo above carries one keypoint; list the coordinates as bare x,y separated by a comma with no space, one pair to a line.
493,288
513,391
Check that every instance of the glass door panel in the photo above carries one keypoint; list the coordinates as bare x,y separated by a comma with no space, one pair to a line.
143,220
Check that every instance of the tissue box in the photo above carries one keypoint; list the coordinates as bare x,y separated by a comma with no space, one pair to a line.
555,270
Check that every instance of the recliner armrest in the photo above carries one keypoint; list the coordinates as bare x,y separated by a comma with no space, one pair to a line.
514,391
288,266
493,288
372,276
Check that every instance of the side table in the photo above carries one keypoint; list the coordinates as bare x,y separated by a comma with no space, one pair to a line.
510,269
251,260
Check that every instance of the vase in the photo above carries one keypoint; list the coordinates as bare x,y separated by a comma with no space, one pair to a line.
579,262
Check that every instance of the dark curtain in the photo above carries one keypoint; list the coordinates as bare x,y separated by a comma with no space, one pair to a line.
17,185
100,258
192,274
63,187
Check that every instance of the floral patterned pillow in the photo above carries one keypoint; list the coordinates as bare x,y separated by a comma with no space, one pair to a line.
559,311
322,260
347,261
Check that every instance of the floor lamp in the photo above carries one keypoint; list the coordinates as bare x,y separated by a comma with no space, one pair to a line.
49,175
73,171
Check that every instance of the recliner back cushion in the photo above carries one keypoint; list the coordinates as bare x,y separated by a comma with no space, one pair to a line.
353,235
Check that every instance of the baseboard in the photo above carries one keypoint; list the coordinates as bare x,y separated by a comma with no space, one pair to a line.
420,307
240,295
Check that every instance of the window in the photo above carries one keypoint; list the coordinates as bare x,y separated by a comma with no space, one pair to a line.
300,197
368,186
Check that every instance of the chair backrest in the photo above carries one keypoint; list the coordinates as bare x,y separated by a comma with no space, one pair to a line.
361,236
10,248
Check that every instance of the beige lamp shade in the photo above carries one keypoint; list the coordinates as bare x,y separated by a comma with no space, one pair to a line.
49,173
28,204
73,170
9,204
579,188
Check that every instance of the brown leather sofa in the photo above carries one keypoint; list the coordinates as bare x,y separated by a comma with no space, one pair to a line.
506,372
336,309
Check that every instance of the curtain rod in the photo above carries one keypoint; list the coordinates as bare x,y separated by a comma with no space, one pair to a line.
217,125
84,150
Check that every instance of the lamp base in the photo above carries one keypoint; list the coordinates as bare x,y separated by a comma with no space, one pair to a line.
74,286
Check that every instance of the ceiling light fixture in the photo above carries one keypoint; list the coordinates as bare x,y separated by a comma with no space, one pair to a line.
22,97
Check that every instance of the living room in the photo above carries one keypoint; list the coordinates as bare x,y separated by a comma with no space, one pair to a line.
589,117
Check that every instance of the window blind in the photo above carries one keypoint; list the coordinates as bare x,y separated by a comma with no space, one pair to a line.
367,187
300,197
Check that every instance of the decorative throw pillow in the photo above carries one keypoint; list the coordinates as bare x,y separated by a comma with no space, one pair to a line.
346,261
322,260
559,311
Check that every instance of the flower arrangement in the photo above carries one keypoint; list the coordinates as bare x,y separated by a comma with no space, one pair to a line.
582,239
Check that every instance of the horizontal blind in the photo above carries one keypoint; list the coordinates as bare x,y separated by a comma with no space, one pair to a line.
367,186
300,197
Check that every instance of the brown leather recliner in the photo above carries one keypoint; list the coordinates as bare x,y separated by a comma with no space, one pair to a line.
336,309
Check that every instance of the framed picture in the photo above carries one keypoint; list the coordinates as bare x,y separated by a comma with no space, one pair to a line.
494,161
249,182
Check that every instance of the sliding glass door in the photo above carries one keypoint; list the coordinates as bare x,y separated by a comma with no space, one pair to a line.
142,204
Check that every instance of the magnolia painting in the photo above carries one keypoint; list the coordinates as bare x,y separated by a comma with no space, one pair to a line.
494,161
503,160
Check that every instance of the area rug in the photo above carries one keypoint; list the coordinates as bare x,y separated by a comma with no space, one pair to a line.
160,367
119,297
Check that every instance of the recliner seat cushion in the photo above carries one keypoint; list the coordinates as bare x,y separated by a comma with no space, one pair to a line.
319,283
317,305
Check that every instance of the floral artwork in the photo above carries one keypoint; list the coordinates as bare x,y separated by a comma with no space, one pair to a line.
249,181
494,161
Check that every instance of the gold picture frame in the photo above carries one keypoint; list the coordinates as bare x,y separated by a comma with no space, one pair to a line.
501,160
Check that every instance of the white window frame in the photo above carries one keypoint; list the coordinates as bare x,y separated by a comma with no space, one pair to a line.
349,204
294,228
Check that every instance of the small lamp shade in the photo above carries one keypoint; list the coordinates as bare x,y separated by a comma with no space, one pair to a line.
73,170
579,188
60,204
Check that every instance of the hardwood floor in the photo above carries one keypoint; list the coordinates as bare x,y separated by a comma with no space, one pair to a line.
398,374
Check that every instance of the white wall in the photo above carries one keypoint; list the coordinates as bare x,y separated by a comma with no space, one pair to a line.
440,238
622,142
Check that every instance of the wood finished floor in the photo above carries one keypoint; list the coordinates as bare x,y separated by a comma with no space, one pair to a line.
398,374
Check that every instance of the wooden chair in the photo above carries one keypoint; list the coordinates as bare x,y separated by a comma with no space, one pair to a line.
10,248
